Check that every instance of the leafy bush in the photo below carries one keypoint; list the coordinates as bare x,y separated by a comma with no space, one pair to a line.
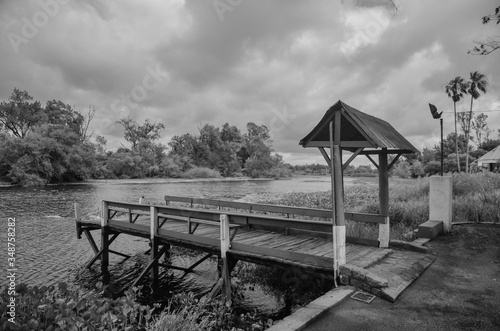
67,308
64,308
200,172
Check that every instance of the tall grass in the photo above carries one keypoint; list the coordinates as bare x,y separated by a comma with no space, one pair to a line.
476,198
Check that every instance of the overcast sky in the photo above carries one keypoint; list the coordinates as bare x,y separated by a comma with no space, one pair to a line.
277,63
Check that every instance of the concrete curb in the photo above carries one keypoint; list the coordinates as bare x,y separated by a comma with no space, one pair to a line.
414,246
308,314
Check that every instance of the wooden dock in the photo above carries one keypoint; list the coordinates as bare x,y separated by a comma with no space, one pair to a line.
233,231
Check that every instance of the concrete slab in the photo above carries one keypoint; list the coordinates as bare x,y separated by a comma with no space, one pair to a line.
400,269
308,314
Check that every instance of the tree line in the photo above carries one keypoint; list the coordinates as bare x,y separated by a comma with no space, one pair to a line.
52,143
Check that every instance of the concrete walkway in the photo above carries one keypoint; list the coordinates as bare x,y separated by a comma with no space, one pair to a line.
459,291
387,277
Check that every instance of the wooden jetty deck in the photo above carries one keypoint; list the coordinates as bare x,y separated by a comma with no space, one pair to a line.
263,234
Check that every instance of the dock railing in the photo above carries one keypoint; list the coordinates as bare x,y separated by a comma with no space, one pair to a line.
148,221
292,212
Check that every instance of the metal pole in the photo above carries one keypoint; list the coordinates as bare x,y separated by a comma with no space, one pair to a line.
442,154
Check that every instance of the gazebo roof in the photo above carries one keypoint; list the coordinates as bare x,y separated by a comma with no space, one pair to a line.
358,130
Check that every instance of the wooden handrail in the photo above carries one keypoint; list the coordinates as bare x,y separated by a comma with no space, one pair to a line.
303,211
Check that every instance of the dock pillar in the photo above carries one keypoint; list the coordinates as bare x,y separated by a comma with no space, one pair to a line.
441,200
154,247
105,243
225,243
383,180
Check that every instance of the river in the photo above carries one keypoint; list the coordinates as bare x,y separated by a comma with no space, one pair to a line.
47,250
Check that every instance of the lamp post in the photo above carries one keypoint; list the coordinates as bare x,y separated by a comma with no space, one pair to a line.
437,115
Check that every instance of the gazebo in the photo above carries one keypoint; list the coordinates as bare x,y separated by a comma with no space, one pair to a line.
344,128
490,159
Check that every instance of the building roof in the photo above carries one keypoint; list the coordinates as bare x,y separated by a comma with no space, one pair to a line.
358,130
492,156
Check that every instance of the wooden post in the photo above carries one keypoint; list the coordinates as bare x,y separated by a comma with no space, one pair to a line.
105,243
338,216
225,243
154,246
383,181
78,217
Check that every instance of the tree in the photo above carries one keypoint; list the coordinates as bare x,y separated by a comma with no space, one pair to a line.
58,113
19,115
492,44
477,82
455,90
449,144
481,128
135,132
490,144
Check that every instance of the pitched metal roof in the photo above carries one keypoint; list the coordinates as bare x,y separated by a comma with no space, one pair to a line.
492,156
358,129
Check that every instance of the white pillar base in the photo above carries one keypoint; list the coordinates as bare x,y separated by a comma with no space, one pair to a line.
384,231
340,245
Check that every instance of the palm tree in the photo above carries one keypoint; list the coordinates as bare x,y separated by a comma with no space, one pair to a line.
455,90
476,83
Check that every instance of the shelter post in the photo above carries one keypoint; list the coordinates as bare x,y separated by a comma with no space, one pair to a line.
337,194
383,177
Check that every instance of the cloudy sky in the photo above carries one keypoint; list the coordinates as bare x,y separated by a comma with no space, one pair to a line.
280,63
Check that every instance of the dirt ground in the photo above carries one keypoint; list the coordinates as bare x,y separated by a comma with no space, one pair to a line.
459,291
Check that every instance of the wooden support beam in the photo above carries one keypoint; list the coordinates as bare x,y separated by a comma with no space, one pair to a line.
372,161
339,191
325,156
162,222
394,161
126,256
78,218
112,215
225,244
92,261
150,265
383,176
154,247
353,156
91,241
169,266
105,243
200,261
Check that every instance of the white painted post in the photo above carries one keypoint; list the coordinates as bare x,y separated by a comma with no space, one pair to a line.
225,243
105,243
105,214
78,212
441,200
154,245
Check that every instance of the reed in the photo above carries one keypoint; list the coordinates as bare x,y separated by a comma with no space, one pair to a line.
476,198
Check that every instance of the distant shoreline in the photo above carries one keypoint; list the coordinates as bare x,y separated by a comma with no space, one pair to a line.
118,181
